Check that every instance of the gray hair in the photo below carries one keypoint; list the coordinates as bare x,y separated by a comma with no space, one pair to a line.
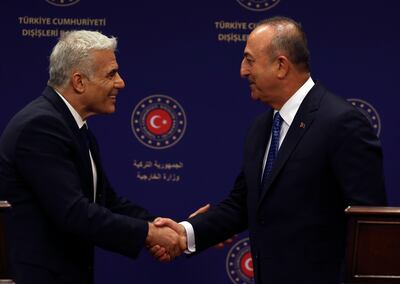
73,52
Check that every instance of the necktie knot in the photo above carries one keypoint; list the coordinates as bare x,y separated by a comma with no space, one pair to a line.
277,123
85,135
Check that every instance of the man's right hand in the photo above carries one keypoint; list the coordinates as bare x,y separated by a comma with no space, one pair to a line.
164,242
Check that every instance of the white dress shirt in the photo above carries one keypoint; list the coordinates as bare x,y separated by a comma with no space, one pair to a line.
287,112
80,122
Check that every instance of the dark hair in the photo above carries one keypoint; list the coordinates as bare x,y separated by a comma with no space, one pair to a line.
290,39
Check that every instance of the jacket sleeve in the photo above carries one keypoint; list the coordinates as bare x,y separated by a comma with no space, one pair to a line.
223,220
123,206
46,158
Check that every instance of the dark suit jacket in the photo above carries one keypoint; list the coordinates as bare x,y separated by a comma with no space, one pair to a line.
329,159
45,174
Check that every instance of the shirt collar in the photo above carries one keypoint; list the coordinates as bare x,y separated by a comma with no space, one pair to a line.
290,108
78,119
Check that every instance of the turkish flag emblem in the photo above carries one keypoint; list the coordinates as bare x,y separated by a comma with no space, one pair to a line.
158,121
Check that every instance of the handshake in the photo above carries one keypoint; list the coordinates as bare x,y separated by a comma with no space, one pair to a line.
166,239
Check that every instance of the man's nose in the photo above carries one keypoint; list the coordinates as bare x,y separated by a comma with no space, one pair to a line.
244,70
119,83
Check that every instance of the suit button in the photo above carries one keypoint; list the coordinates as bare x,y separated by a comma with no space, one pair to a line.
262,221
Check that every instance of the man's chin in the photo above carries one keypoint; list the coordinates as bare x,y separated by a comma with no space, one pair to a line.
254,96
109,110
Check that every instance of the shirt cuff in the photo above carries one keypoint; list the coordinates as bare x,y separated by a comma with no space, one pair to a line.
191,244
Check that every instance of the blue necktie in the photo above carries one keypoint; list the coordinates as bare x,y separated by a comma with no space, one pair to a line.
273,148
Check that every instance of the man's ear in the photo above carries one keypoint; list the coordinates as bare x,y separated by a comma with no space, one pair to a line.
78,82
282,66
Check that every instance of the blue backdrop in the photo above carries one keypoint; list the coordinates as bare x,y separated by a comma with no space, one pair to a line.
190,51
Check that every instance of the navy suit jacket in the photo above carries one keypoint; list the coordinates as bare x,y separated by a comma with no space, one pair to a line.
329,159
45,173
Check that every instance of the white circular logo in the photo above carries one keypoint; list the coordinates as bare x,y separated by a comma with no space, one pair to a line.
62,3
258,5
370,113
239,263
158,121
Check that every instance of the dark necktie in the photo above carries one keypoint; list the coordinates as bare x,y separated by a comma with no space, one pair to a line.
88,141
273,148
86,137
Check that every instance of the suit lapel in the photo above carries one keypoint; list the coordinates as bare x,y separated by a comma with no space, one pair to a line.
61,107
262,140
301,123
96,158
256,144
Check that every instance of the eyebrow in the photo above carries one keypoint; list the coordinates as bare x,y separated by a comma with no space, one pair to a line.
114,70
248,56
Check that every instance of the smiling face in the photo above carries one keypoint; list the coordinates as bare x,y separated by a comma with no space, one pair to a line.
259,68
102,87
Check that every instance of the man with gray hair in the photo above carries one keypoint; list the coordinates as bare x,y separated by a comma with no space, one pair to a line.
50,171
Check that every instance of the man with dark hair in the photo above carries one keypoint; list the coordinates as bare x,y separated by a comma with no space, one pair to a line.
305,160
